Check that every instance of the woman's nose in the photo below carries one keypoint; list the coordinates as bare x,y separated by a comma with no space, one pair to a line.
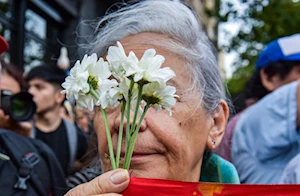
117,122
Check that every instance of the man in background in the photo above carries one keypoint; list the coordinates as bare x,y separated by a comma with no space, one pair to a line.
266,136
67,141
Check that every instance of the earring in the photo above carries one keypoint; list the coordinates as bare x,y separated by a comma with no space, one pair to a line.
213,142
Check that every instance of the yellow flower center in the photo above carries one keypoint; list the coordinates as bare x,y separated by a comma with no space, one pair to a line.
151,99
93,82
142,82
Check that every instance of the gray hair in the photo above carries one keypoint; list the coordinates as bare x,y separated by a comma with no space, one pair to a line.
174,19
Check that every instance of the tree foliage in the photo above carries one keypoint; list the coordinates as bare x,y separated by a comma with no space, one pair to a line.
261,21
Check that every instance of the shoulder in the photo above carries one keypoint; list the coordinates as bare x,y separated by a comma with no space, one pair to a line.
217,169
81,137
272,112
83,176
275,101
227,171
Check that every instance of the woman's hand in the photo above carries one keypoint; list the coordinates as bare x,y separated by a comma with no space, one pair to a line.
110,183
4,119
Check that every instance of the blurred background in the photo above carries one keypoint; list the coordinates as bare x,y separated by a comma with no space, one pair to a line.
37,29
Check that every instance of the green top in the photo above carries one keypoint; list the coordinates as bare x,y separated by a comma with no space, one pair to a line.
217,169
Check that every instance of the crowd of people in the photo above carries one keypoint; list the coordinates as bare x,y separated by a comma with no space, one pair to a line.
259,145
262,139
55,121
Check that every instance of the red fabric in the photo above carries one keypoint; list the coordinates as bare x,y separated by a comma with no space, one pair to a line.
3,45
150,187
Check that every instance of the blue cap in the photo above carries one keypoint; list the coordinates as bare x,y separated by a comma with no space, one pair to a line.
282,49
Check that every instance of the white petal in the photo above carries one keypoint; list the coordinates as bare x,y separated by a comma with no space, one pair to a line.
101,69
148,54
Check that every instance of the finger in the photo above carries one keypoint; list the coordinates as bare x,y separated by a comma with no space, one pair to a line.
4,120
23,128
26,125
3,115
114,181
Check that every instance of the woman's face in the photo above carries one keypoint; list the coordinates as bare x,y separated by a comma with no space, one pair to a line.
7,82
167,147
82,119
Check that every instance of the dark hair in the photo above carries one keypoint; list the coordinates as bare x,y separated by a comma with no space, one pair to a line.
15,72
282,68
255,88
48,72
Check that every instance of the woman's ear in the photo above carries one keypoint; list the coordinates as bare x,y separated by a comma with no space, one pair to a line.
220,118
269,83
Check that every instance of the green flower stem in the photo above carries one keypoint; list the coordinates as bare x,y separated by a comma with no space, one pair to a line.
133,139
120,133
133,125
139,98
93,93
128,109
128,117
109,141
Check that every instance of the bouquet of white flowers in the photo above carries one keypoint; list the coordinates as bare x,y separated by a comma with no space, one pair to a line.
123,80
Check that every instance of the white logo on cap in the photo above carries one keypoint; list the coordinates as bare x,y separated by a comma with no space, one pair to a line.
290,45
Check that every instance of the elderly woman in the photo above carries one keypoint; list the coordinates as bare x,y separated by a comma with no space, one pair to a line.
167,147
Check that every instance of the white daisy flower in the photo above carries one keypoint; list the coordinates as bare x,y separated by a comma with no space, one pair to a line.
111,97
77,82
90,73
159,96
150,68
119,62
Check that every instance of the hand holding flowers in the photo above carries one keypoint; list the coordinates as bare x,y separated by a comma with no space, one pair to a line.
136,85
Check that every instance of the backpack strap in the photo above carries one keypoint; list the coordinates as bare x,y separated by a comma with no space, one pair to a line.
72,140
29,160
59,185
33,131
24,155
